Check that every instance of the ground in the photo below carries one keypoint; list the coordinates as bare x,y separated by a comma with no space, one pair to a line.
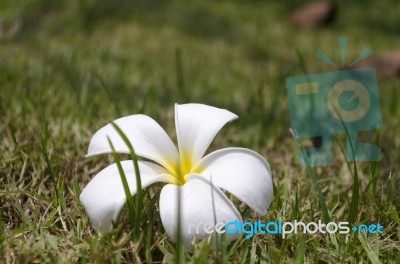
74,66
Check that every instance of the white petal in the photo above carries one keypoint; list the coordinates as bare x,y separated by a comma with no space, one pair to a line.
147,137
197,208
104,196
196,126
242,172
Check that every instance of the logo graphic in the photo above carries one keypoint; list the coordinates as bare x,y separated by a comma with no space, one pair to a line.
341,102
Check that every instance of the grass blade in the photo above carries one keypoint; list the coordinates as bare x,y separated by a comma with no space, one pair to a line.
128,195
179,73
139,193
374,165
300,250
49,167
355,197
368,249
2,231
313,177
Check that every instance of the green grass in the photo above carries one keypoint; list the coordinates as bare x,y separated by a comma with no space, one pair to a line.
77,65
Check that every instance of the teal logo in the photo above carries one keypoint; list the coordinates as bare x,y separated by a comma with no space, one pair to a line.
340,102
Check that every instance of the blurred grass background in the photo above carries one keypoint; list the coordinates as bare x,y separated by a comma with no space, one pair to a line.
73,66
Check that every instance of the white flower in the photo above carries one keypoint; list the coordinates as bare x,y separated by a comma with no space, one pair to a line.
240,171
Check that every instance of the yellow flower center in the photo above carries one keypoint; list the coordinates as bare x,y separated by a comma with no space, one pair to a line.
182,169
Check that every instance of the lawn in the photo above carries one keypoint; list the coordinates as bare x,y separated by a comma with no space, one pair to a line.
74,66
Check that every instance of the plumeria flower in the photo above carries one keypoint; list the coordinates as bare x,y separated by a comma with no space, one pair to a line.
239,171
